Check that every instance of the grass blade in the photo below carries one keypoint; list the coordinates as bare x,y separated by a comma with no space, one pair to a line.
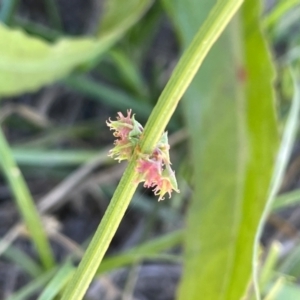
33,286
24,261
138,253
32,157
25,203
58,281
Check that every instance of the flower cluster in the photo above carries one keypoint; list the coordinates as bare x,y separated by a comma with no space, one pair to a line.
155,168
127,131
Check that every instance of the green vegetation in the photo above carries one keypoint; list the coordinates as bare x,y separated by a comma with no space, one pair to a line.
222,77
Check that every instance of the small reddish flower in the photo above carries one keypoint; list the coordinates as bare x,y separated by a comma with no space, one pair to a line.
156,172
122,126
166,184
127,131
150,170
154,169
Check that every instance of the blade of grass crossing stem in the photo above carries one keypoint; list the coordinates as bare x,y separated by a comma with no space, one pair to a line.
25,203
159,118
23,260
139,252
58,281
234,142
35,285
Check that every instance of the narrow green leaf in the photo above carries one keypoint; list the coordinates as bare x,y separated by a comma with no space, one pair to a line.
287,199
58,281
34,286
27,63
141,252
108,95
32,157
230,114
23,260
278,11
128,70
25,203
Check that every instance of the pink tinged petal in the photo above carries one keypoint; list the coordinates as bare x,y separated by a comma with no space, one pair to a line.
126,130
163,186
166,184
123,126
150,171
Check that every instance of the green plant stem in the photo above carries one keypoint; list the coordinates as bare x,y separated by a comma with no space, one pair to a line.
103,236
7,10
180,80
186,70
25,203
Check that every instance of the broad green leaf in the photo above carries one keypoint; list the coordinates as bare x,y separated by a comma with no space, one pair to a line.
27,63
230,115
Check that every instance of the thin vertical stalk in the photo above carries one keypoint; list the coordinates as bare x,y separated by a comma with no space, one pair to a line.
185,71
25,203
